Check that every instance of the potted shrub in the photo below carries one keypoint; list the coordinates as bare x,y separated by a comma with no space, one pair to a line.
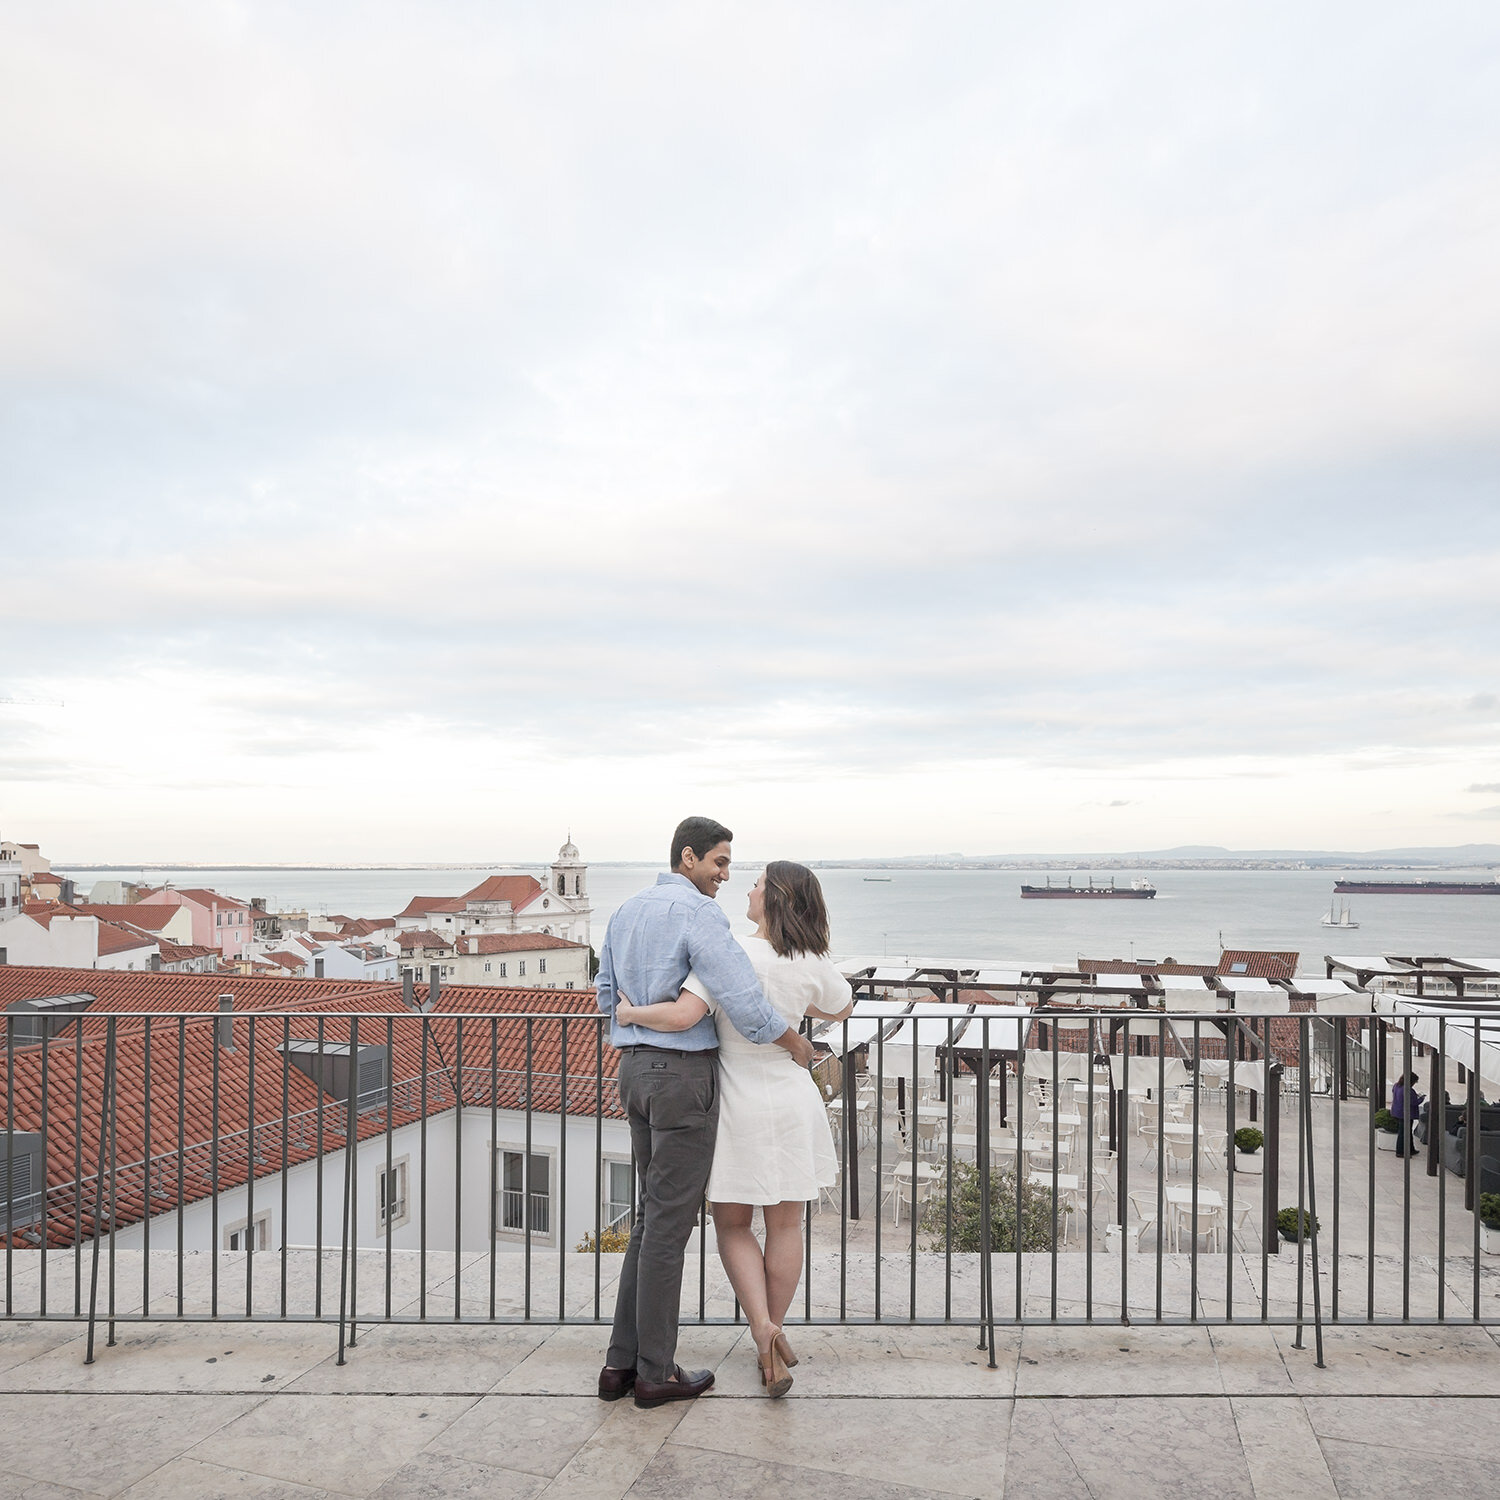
1489,1223
1287,1220
1387,1128
1247,1143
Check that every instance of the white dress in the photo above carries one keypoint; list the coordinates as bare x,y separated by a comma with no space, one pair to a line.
774,1144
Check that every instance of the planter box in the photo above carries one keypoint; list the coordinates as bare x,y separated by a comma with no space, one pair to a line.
1249,1161
1489,1240
1385,1140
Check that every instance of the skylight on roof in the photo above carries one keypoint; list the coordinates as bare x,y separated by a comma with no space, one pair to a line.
1241,967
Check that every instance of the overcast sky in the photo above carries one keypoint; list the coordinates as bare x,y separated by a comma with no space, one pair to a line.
890,429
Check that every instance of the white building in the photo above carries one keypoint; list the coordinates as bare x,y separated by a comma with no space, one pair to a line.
48,938
557,906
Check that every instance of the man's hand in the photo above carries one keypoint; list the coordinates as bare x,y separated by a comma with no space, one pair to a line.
798,1045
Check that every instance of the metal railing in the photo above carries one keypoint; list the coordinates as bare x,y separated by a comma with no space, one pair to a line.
1065,1166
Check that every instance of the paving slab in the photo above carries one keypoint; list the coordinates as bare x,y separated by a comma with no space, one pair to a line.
460,1359
1406,1443
621,1449
442,1476
111,1440
1452,1361
943,1445
1117,1361
347,1443
535,1434
192,1479
1281,1450
1153,1448
678,1471
568,1360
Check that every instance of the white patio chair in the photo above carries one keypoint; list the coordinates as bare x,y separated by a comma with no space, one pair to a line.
1144,1205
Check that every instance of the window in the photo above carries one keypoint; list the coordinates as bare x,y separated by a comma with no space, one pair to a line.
525,1196
247,1236
562,885
541,966
521,969
390,1196
502,970
218,919
1240,967
486,968
618,1182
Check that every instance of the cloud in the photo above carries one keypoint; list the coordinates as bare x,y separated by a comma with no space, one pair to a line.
827,397
1484,786
1481,813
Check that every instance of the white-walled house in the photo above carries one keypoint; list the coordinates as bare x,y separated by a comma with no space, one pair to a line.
49,937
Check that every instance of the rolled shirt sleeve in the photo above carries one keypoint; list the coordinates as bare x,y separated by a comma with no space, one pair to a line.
726,969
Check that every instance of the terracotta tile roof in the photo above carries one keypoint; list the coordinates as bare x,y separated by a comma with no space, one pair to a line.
365,926
114,939
149,918
1257,964
423,939
519,890
512,942
460,1062
1142,966
201,896
176,953
420,906
287,960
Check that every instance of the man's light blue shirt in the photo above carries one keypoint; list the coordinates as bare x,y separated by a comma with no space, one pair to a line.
653,940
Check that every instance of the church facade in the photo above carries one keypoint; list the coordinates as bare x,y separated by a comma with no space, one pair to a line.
556,905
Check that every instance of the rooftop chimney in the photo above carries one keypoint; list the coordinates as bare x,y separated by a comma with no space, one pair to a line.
224,1026
408,990
434,982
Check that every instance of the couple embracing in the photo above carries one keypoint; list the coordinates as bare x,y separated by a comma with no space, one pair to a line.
714,1082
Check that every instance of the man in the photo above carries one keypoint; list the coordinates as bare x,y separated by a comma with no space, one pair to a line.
669,1088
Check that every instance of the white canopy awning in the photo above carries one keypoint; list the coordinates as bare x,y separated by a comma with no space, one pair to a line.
1144,1072
1457,1035
867,1006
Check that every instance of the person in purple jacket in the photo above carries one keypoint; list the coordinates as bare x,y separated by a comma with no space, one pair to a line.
1406,1105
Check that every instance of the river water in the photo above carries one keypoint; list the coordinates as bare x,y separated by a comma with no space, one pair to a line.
978,915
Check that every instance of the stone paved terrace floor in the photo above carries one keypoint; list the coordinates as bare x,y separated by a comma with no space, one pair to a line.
889,1413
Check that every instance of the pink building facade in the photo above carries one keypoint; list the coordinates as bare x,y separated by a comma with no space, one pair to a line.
220,922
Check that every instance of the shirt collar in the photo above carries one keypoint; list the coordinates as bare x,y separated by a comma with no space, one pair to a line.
669,877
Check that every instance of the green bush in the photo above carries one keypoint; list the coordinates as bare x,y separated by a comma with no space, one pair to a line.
1386,1121
1489,1210
1248,1138
1286,1222
1036,1226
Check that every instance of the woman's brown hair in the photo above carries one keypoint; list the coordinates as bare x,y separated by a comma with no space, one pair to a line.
795,914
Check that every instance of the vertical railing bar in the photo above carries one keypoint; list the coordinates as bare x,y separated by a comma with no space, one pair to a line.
1304,1039
1124,1191
1197,1125
458,1166
351,1133
562,1174
914,1126
1232,1043
250,1246
390,1165
181,1154
46,1218
950,1071
1161,1152
10,1162
526,1170
1475,1121
599,1163
78,1171
286,1082
983,1160
422,1154
848,1145
1310,1219
879,1149
108,1085
1057,1217
213,1173
1437,1118
1406,1155
146,1182
1088,1196
1377,1042
318,1184
1340,1090
494,1154
112,1097
1025,1038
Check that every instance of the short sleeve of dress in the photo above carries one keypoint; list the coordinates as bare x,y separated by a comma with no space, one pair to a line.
697,986
834,991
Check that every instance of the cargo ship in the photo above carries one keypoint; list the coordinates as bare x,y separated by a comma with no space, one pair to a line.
1417,887
1137,890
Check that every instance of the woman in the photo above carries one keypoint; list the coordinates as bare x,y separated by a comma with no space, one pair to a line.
1406,1106
774,1149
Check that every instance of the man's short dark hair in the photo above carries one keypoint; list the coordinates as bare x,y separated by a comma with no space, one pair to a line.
700,835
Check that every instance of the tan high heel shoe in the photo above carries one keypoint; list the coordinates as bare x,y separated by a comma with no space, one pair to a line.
773,1371
785,1350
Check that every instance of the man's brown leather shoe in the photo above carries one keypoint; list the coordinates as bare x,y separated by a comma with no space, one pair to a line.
689,1383
615,1383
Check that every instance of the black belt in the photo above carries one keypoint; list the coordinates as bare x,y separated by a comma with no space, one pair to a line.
675,1051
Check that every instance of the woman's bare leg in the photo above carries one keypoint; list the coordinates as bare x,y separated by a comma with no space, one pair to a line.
782,1256
745,1266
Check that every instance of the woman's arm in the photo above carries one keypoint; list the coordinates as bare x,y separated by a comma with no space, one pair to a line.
666,1015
